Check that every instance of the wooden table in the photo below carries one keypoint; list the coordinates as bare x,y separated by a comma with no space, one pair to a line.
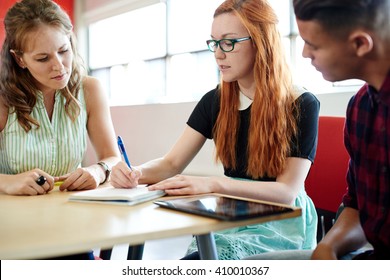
49,226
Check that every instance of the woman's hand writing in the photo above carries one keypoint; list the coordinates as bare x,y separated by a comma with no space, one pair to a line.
124,177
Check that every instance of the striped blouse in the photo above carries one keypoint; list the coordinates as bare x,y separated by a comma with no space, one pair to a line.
56,147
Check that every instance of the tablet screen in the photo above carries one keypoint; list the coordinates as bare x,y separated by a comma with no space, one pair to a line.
225,208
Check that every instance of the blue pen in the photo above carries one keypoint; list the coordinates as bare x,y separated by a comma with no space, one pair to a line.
123,151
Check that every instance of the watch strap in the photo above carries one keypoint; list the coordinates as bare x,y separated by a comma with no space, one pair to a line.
106,170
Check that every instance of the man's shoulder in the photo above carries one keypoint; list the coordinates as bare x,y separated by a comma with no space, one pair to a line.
360,96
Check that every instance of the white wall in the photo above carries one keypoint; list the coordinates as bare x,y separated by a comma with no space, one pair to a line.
334,104
149,131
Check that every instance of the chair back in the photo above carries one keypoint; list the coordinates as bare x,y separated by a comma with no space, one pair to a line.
326,182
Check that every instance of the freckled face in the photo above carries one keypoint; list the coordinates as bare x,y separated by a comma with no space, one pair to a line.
49,57
334,58
236,65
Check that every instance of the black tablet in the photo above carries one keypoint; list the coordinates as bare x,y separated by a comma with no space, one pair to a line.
224,207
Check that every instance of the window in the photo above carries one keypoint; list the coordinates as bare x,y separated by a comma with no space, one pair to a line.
158,54
145,56
126,53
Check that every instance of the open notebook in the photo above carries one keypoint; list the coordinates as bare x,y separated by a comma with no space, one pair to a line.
113,195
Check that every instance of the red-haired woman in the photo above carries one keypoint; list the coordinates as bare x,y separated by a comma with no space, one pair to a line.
264,129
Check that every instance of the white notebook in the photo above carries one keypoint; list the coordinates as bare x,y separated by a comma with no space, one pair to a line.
111,195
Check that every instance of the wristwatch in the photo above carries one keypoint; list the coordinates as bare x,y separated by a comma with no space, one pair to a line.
106,170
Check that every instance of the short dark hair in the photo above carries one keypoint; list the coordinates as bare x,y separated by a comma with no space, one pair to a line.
341,16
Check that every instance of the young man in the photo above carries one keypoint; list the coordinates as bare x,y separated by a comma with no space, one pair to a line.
351,39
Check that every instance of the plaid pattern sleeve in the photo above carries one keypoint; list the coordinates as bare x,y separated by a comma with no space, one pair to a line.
367,139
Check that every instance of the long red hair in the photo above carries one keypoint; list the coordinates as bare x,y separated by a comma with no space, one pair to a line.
273,119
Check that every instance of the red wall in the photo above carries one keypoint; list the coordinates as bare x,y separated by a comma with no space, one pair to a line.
67,5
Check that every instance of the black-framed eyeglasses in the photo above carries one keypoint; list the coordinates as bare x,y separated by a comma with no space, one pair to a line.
226,45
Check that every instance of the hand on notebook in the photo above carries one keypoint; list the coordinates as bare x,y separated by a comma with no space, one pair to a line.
124,177
184,185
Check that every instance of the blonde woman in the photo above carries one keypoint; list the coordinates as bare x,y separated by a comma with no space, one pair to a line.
48,107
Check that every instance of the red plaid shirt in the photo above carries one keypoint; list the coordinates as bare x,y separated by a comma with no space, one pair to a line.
367,139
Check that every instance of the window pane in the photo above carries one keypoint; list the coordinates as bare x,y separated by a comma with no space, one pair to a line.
132,35
282,10
103,75
190,76
189,24
139,82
